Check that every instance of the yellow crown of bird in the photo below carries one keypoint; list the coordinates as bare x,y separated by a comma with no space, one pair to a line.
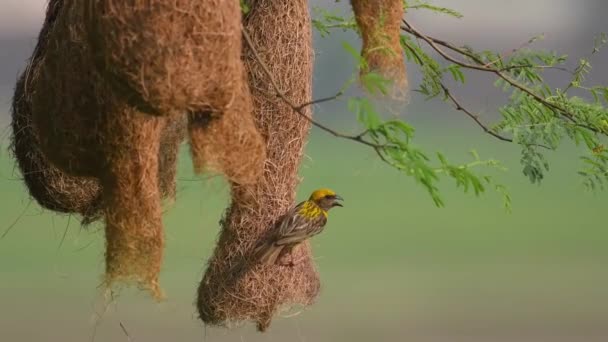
321,193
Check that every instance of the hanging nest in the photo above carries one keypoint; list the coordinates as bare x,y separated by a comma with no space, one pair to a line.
70,105
51,187
232,290
168,56
228,142
183,56
60,192
379,23
132,198
85,129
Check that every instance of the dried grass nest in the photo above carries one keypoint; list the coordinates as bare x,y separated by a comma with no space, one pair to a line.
232,290
113,88
379,23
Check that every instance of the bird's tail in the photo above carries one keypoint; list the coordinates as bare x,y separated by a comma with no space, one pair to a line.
267,253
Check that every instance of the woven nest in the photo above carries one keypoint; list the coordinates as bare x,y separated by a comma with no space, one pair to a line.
53,188
228,142
50,186
86,129
61,192
168,56
231,289
70,105
183,56
379,22
133,217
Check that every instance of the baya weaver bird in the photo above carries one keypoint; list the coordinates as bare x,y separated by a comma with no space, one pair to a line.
305,220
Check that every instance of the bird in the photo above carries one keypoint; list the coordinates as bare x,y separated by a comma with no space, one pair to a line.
301,222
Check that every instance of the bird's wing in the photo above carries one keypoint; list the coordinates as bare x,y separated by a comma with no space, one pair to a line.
296,228
319,225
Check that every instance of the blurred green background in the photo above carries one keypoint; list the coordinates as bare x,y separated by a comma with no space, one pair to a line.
394,267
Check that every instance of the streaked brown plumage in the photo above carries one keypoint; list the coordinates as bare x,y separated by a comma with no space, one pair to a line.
300,223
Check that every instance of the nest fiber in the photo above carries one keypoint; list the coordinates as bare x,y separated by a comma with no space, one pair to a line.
133,217
182,57
168,56
52,188
86,130
60,192
228,142
171,138
69,103
379,22
232,289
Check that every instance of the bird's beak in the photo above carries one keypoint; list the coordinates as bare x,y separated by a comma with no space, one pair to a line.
338,204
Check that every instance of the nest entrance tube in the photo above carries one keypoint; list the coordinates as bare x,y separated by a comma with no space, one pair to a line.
133,215
379,22
228,142
232,290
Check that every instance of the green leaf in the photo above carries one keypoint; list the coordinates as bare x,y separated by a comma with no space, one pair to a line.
456,72
437,9
361,63
366,113
374,83
244,6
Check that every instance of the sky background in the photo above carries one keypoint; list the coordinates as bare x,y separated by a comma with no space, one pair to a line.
394,267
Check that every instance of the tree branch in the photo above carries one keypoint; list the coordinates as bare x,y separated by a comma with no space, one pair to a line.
298,108
524,66
481,66
513,51
458,105
321,100
475,117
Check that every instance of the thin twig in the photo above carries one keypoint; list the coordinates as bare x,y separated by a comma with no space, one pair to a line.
65,233
124,330
527,66
321,100
463,51
299,108
378,148
475,118
432,43
12,225
513,51
460,107
435,43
